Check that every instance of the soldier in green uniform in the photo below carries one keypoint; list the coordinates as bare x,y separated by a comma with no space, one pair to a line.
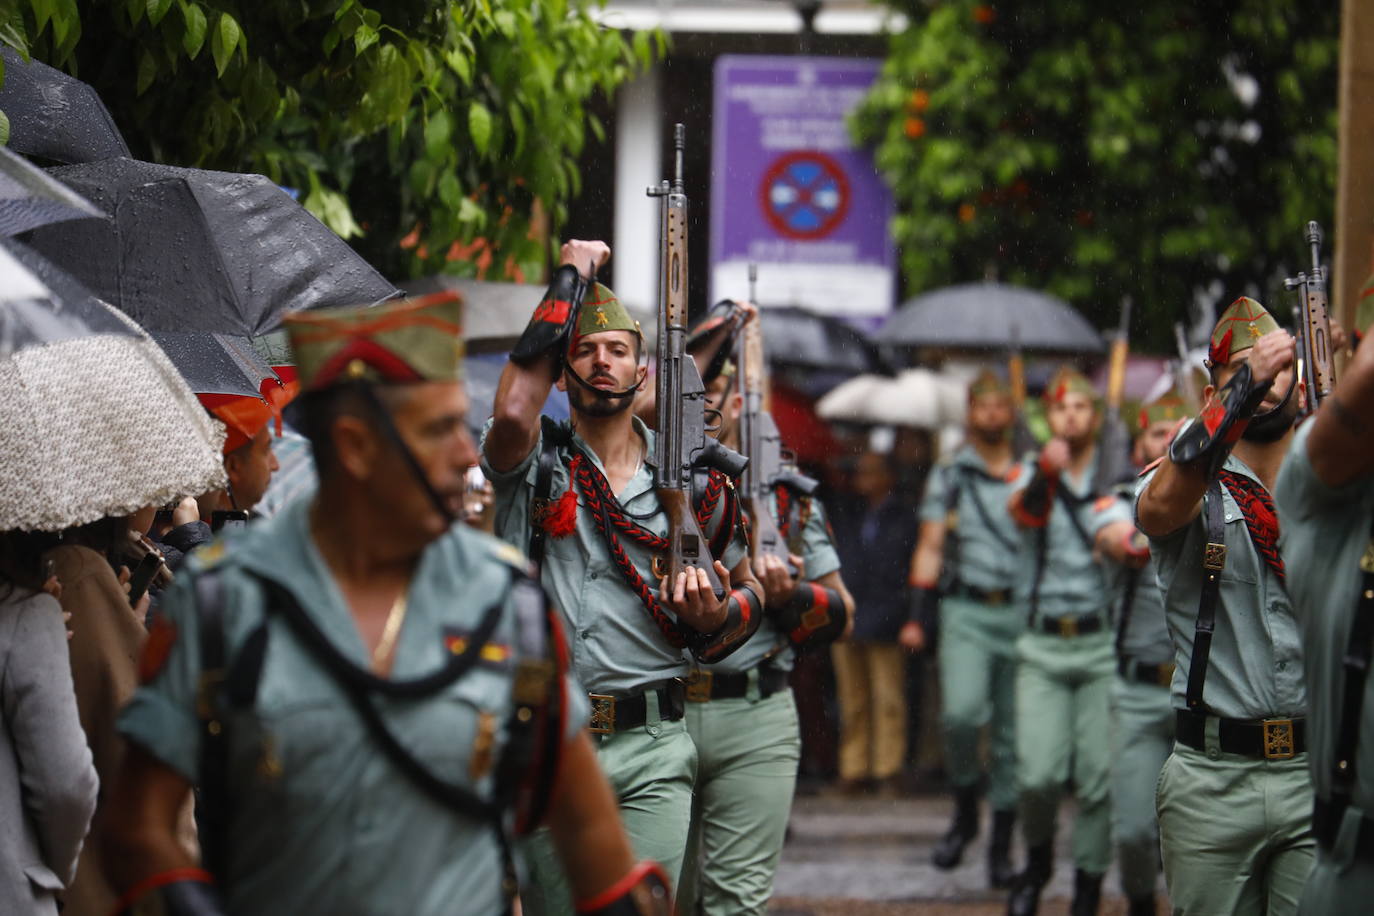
740,712
369,697
1325,495
1065,665
583,498
962,573
1143,716
1234,815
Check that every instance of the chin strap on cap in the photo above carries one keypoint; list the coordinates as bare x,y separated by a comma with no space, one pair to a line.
812,615
643,891
1209,438
179,892
743,614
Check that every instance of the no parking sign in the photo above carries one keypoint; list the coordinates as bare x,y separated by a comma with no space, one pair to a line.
790,192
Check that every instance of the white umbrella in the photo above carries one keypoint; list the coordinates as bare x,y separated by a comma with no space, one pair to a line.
94,419
917,398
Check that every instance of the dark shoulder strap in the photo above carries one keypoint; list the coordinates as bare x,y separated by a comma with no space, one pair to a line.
1071,504
212,804
543,490
986,517
1358,651
1127,604
1213,562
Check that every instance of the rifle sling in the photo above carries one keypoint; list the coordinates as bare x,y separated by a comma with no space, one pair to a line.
543,492
212,803
986,518
1358,651
1127,604
1213,562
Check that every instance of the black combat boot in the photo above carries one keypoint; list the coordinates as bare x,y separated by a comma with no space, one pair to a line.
1142,906
949,852
1087,893
1000,872
1025,892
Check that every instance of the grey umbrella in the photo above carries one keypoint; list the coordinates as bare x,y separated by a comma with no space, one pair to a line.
54,116
41,304
216,363
990,316
191,249
30,197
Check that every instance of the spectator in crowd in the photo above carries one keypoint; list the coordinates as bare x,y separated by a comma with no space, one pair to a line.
875,535
47,783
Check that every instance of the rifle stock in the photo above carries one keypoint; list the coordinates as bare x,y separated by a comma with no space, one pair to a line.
1114,440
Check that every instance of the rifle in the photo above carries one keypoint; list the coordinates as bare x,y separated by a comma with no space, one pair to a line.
682,443
1114,442
1314,325
1183,369
761,444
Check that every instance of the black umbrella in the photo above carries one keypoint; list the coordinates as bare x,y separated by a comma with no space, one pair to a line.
30,197
54,116
814,352
215,363
41,304
990,316
190,249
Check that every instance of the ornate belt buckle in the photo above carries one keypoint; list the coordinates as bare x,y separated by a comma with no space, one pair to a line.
1166,674
997,596
698,685
603,714
1278,739
1068,627
1214,557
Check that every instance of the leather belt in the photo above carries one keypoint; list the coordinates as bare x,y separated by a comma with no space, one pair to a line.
1326,823
1132,669
703,686
1071,626
1270,739
995,596
617,714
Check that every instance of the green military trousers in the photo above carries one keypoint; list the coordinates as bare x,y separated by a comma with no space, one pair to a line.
977,689
1063,709
651,770
1236,831
1340,885
748,750
1142,739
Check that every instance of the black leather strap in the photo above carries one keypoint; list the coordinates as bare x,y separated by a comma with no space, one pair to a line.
1157,674
719,685
1358,650
1123,617
1213,562
543,490
1072,625
1071,505
212,804
632,711
985,517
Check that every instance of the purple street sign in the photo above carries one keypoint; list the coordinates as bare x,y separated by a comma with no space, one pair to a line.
791,193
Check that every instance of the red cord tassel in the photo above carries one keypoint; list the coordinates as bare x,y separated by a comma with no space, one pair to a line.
560,520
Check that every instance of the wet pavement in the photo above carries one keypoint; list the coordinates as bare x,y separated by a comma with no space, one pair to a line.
871,857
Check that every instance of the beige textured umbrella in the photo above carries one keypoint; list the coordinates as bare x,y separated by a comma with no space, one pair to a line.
94,419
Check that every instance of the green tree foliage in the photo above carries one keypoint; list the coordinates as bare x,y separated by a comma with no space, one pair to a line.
1101,150
432,123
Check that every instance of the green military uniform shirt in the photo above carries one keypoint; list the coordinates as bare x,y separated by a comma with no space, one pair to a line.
321,820
1325,533
1255,669
1072,581
1144,634
820,558
617,647
988,541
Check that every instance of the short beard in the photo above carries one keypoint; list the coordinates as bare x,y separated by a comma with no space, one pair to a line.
1270,427
597,405
993,436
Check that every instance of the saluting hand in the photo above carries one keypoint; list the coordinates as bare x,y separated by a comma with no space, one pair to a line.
585,255
692,599
1054,457
1271,354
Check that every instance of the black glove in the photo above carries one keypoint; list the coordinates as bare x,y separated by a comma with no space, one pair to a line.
552,323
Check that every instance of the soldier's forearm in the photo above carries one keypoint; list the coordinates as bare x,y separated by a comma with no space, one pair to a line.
1338,446
1172,499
